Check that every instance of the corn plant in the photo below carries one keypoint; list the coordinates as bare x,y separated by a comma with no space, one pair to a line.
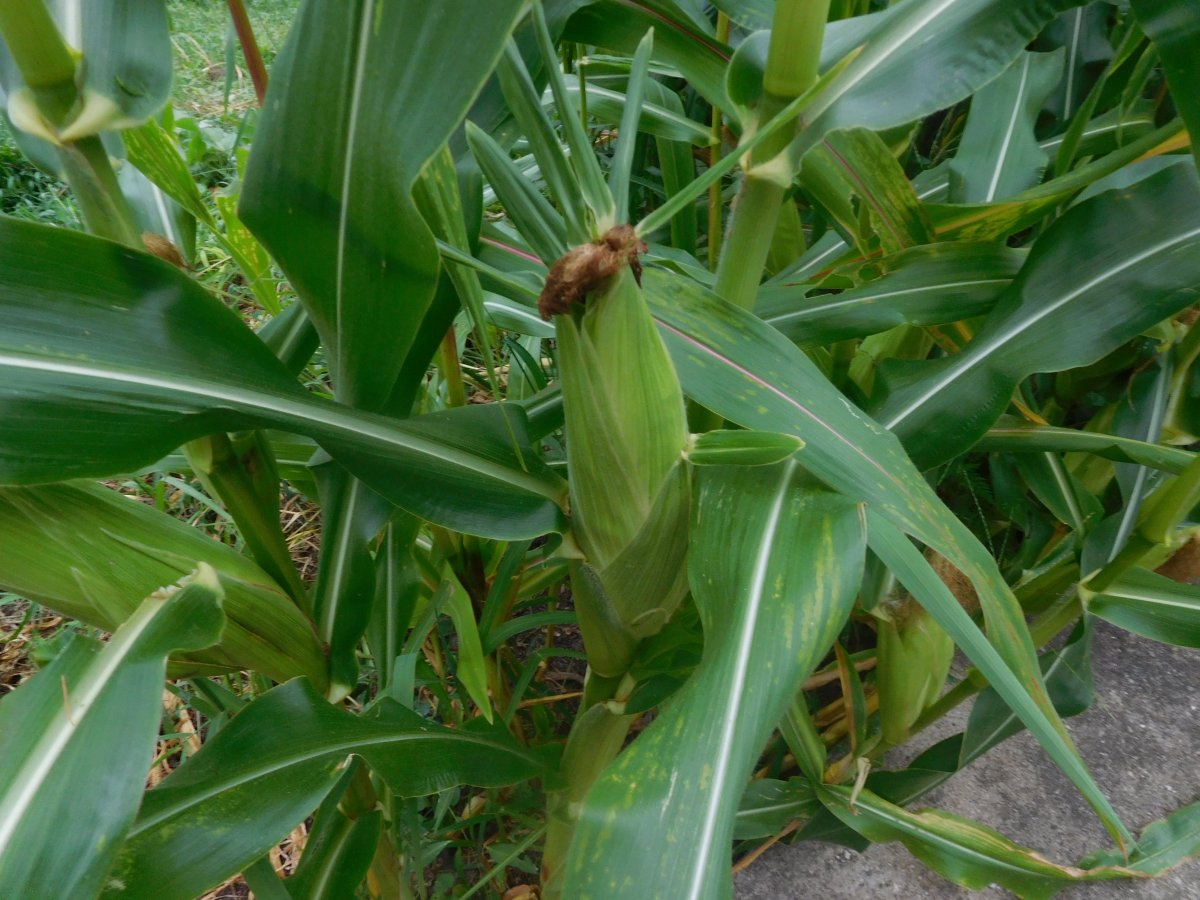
694,380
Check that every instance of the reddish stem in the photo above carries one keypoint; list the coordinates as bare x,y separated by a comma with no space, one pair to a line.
254,60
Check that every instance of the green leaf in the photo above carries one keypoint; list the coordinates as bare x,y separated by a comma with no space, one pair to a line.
999,154
660,118
737,366
1108,269
1162,845
351,516
156,154
471,672
89,553
1109,130
928,285
111,359
338,850
390,82
988,221
1014,435
621,168
963,851
678,170
529,211
269,768
1031,704
555,167
620,24
1174,28
1060,492
1083,33
95,709
768,805
1068,674
742,448
774,567
887,84
857,163
1151,605
589,179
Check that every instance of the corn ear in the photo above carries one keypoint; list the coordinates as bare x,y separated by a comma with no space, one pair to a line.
914,655
626,433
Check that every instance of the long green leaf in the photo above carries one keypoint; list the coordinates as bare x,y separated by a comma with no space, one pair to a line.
737,366
928,285
590,180
553,163
660,118
774,567
966,852
78,739
768,805
351,516
1022,437
1151,605
1041,718
621,169
269,768
90,553
1082,34
988,221
887,84
999,154
337,852
858,163
621,24
111,359
1174,27
1110,268
1068,674
532,214
390,83
1162,845
471,671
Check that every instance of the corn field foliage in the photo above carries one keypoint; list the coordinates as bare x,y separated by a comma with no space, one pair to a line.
681,384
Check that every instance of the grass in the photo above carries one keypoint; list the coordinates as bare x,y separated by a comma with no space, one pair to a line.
210,79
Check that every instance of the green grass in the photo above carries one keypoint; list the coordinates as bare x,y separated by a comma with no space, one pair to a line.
26,192
211,80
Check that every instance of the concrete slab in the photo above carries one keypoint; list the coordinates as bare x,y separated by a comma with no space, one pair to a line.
1141,739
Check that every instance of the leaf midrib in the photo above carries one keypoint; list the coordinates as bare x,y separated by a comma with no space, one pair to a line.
299,409
969,359
214,787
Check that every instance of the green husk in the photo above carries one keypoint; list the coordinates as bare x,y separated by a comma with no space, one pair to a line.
626,433
914,655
